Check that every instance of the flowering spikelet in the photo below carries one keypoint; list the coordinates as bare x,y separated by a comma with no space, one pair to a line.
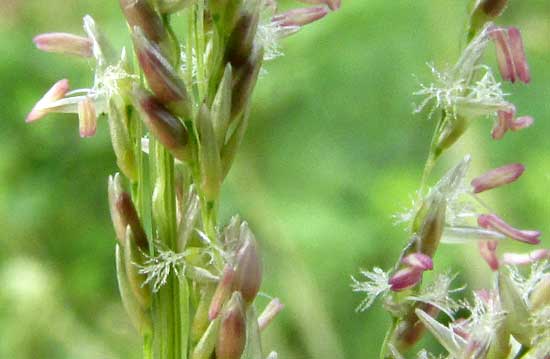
468,89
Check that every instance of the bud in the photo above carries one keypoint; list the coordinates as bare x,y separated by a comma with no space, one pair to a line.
221,106
232,334
492,8
248,266
493,221
87,118
115,190
129,216
418,261
166,128
133,256
64,43
540,296
526,258
453,130
140,318
209,154
241,41
405,278
229,151
57,92
187,223
139,13
270,312
205,346
223,290
201,321
497,177
429,224
487,249
244,82
484,11
300,17
517,319
161,76
120,140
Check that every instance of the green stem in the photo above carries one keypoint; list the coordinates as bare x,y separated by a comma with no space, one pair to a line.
200,49
428,168
148,346
167,231
387,339
432,156
189,49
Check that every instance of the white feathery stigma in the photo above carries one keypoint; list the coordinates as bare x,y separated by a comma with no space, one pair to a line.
376,284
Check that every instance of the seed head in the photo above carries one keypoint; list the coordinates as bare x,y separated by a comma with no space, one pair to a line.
248,266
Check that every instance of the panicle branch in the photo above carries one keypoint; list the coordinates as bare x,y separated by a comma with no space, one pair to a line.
453,211
176,122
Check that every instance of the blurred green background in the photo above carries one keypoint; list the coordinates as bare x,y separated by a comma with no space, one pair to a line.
332,152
